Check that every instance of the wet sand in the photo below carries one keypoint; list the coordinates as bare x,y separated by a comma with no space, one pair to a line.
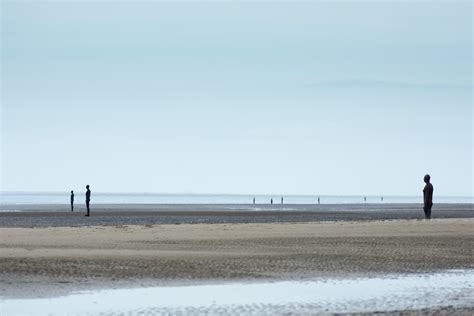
154,214
51,261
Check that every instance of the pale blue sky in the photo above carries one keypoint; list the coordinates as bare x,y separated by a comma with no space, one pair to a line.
255,97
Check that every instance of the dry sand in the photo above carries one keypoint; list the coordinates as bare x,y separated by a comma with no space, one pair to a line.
51,261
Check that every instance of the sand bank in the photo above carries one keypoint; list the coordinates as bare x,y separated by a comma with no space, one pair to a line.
50,261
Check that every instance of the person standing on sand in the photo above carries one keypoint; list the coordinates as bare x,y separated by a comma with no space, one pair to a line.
72,201
282,200
254,200
271,201
427,197
88,199
319,200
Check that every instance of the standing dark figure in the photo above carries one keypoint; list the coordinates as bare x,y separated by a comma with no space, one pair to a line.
319,200
271,201
253,200
281,200
427,197
72,201
88,199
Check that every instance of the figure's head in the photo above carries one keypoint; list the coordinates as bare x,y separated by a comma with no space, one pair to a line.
427,178
87,186
72,191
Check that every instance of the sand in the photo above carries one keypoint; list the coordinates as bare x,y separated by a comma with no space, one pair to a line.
48,261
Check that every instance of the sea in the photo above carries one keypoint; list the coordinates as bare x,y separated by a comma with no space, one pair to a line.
21,198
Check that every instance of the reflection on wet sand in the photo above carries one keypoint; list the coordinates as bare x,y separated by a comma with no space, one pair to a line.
406,292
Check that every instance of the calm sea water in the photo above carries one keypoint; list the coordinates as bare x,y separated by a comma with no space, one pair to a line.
153,198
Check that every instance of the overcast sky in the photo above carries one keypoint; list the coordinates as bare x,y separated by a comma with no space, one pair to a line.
268,97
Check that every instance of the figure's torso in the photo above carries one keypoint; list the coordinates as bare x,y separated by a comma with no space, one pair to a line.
428,193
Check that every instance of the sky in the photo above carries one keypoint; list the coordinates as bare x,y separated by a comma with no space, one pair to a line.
311,97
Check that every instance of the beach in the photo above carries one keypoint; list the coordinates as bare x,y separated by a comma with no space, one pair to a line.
47,254
92,255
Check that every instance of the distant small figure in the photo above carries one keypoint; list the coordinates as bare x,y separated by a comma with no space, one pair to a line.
427,197
282,200
319,200
271,201
365,199
254,200
381,199
72,201
88,199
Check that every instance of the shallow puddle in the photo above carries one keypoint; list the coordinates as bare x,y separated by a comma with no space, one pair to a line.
452,288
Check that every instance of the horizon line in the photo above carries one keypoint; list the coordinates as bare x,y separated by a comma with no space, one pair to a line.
231,194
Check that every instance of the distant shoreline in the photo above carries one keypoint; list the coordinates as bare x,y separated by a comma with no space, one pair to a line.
54,198
79,205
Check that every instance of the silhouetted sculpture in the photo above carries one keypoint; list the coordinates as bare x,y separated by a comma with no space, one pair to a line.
319,200
254,200
271,201
365,199
72,201
281,200
381,199
88,199
427,197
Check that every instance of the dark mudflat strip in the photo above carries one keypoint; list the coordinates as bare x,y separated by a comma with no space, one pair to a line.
148,214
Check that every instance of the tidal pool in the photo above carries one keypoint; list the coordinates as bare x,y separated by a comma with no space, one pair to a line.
451,288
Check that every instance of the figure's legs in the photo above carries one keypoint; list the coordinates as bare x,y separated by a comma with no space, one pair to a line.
88,210
427,210
72,207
